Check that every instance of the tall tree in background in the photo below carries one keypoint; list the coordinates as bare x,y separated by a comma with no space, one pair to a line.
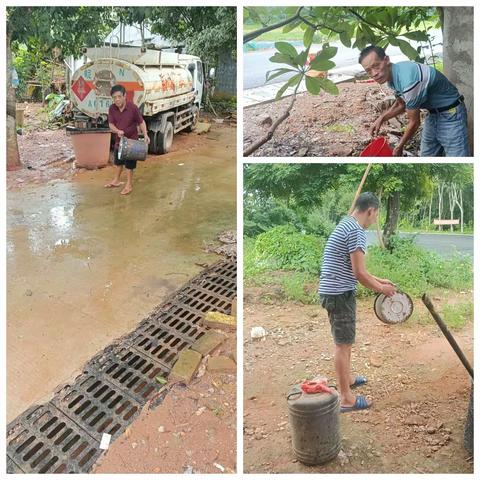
67,28
206,31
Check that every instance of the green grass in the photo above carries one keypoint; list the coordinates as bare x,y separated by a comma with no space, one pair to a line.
300,287
456,316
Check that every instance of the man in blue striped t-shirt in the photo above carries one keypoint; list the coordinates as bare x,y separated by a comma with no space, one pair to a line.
343,265
418,86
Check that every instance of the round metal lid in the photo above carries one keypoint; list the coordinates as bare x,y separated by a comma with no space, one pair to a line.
395,309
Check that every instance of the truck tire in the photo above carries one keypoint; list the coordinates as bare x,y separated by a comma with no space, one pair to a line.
164,139
151,145
195,113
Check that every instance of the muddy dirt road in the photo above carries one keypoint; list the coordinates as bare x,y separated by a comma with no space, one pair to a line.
86,264
319,125
419,388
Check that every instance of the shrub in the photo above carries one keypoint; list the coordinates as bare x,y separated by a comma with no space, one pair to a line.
284,248
416,270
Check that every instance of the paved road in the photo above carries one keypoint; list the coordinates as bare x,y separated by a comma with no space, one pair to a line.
445,245
256,64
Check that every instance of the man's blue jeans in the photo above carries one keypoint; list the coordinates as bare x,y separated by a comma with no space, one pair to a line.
445,134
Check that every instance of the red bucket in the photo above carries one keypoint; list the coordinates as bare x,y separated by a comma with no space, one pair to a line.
378,148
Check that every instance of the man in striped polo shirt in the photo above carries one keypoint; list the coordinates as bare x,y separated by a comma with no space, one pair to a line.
342,267
419,86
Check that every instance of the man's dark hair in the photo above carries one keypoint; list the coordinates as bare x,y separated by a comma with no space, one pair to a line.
372,48
117,88
365,201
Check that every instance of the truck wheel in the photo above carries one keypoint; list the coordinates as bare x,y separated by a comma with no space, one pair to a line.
193,125
151,145
165,139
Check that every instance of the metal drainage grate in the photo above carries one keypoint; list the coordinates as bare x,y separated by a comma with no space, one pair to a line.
96,406
63,435
130,371
159,343
44,440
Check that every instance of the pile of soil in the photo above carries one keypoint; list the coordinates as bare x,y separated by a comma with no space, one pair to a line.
419,388
324,125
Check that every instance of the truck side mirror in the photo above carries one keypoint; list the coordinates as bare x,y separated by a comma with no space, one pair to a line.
191,67
211,73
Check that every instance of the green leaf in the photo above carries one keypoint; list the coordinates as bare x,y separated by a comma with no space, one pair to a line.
308,37
328,86
286,48
321,64
345,39
313,85
295,79
277,72
281,91
301,58
291,26
407,49
417,35
281,58
393,41
327,52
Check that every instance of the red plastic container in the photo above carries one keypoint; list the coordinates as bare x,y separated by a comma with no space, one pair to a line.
378,148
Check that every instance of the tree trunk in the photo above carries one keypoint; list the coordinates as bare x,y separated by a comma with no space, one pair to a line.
451,202
13,155
430,210
391,222
458,55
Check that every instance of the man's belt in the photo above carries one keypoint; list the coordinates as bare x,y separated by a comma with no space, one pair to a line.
444,109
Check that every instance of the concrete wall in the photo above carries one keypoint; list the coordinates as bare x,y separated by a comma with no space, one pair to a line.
458,54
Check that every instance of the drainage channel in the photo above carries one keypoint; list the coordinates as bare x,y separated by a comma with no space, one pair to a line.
63,435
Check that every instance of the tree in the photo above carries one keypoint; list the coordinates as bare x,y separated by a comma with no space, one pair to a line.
206,31
67,28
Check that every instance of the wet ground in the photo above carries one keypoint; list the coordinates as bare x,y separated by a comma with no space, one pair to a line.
419,388
86,264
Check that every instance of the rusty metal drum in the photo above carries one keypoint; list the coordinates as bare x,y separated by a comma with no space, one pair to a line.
315,425
132,149
395,309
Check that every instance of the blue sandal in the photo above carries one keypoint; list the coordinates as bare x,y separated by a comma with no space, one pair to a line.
359,380
360,404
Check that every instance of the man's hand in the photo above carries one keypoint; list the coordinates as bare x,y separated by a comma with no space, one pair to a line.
375,128
146,139
120,133
398,151
388,289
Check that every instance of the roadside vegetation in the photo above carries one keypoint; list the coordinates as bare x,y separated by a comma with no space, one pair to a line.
284,241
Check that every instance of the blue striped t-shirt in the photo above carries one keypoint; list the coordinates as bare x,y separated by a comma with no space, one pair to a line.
336,276
421,86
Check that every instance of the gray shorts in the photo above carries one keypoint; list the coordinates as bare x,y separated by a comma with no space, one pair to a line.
342,315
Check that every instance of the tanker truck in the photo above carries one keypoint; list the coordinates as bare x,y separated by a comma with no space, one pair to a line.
167,87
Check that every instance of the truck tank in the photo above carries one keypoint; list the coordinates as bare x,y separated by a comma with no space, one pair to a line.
155,88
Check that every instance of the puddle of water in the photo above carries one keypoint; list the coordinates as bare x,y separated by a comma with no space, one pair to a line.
86,264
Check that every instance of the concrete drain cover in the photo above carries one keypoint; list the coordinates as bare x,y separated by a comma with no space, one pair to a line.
63,436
